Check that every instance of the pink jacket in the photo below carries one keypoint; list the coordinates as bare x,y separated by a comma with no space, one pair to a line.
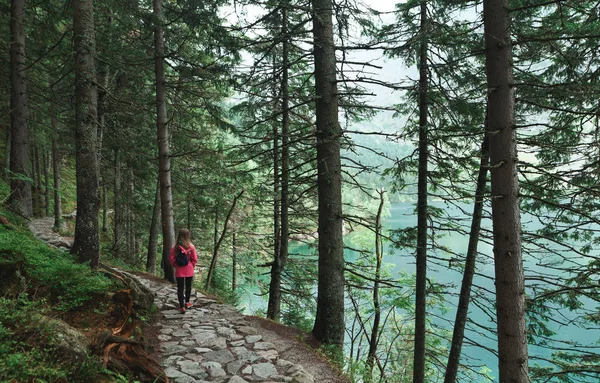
187,270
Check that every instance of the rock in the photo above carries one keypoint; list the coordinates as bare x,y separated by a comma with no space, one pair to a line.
69,343
264,370
237,379
221,356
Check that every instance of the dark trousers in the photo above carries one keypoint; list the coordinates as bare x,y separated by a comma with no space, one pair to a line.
187,281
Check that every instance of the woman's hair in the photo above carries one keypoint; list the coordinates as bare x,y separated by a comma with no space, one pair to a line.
183,238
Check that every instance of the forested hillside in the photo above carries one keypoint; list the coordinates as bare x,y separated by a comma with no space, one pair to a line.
414,183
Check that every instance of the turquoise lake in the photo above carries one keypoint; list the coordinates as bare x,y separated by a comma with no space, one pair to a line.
401,216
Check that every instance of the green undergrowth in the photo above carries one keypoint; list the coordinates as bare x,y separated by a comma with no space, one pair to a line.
37,282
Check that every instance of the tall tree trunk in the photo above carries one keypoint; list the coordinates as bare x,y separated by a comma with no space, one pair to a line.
104,206
38,197
56,169
510,286
131,232
213,262
6,166
20,185
153,240
329,321
374,340
280,258
164,161
467,281
119,207
86,243
233,259
45,161
421,277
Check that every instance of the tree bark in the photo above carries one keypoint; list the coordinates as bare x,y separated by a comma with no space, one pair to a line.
56,169
119,207
422,210
329,321
46,183
153,240
280,259
233,259
467,281
510,289
6,167
164,161
374,340
86,242
20,185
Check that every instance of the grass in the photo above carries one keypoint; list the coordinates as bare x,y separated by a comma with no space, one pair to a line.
38,282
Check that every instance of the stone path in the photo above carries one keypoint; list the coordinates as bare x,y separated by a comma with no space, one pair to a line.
213,342
42,228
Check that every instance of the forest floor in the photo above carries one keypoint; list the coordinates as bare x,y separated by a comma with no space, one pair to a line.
213,342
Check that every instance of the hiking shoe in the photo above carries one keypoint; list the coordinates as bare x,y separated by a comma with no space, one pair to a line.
189,305
182,310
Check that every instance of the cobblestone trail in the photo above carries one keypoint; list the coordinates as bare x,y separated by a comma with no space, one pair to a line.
213,342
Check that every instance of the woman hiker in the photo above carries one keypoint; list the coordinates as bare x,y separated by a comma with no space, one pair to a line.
183,258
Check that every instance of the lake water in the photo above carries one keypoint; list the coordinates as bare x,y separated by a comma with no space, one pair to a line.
402,216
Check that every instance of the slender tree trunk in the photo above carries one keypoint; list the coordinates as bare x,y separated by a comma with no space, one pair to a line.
130,219
45,161
273,306
6,169
153,240
421,282
216,228
20,185
104,206
56,169
467,281
164,161
119,207
213,262
233,258
86,243
39,195
280,259
329,321
374,340
510,286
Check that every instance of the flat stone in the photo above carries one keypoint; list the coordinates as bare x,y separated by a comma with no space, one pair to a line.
214,369
220,356
225,331
234,367
216,344
235,337
174,373
237,379
268,354
164,338
264,370
171,360
193,369
284,363
180,333
253,338
201,350
247,330
263,346
247,370
170,350
245,355
198,358
188,343
237,343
